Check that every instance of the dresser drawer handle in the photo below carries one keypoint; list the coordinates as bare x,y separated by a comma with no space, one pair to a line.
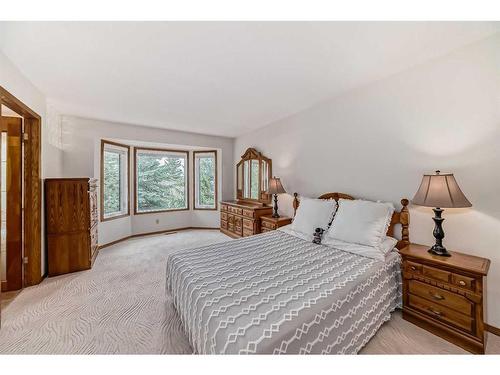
436,296
435,312
413,268
461,282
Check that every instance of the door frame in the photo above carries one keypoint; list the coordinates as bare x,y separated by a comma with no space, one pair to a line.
32,240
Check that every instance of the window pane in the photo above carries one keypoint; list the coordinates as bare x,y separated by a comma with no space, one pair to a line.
115,180
112,183
205,180
161,181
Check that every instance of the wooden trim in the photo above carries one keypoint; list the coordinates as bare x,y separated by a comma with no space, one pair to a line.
32,187
135,180
216,181
101,204
12,126
492,329
398,217
166,231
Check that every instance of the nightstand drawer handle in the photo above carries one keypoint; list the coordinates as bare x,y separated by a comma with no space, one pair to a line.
413,268
436,296
461,282
435,312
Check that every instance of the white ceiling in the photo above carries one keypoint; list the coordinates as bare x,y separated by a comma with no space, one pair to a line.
221,78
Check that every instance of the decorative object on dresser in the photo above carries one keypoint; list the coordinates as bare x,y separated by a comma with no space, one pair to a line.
71,224
270,222
241,217
440,190
275,188
445,295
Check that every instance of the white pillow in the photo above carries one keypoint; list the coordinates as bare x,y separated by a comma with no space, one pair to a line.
379,253
312,214
362,222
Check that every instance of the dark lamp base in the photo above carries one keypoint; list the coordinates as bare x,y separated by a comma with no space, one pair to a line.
276,215
439,250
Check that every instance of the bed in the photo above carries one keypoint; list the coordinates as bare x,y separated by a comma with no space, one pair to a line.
278,293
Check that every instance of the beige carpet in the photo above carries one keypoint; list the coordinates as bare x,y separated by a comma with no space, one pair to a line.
120,306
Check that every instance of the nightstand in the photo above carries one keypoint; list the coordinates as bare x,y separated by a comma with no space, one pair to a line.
268,223
445,295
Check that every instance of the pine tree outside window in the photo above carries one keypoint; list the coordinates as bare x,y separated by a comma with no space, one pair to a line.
161,180
205,180
114,180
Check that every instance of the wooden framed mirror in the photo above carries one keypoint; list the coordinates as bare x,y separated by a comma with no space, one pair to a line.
252,177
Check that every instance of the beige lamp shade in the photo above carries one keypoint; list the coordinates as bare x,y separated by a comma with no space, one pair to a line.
275,186
440,190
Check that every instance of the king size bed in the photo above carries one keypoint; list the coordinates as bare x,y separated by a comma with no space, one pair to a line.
280,293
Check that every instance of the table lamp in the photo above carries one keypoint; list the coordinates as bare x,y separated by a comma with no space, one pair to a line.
440,190
275,188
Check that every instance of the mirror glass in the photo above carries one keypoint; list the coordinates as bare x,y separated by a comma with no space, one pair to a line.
240,177
246,174
254,179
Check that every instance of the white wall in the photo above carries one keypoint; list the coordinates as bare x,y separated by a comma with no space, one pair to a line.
18,85
377,141
81,148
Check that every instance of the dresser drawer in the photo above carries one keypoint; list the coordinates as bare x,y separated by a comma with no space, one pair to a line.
263,230
235,210
247,232
441,313
268,225
223,224
463,281
436,273
223,215
441,297
223,207
248,213
248,224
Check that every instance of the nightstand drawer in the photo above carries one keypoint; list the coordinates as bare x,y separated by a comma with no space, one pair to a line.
436,273
441,313
463,281
263,230
268,225
412,267
441,297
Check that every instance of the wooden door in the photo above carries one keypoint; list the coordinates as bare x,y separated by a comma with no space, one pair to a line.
12,129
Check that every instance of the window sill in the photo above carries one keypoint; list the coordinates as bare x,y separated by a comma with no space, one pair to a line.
161,211
104,219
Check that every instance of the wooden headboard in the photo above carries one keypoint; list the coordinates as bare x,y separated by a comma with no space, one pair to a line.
398,217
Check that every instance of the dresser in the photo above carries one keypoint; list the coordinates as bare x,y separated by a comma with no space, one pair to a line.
445,295
242,219
71,224
269,223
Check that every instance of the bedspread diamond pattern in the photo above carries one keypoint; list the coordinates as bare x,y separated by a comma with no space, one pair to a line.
276,293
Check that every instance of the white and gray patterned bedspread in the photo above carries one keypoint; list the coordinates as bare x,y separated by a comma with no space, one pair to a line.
276,293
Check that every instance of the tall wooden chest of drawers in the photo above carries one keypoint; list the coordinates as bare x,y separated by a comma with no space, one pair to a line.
445,295
71,224
242,219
